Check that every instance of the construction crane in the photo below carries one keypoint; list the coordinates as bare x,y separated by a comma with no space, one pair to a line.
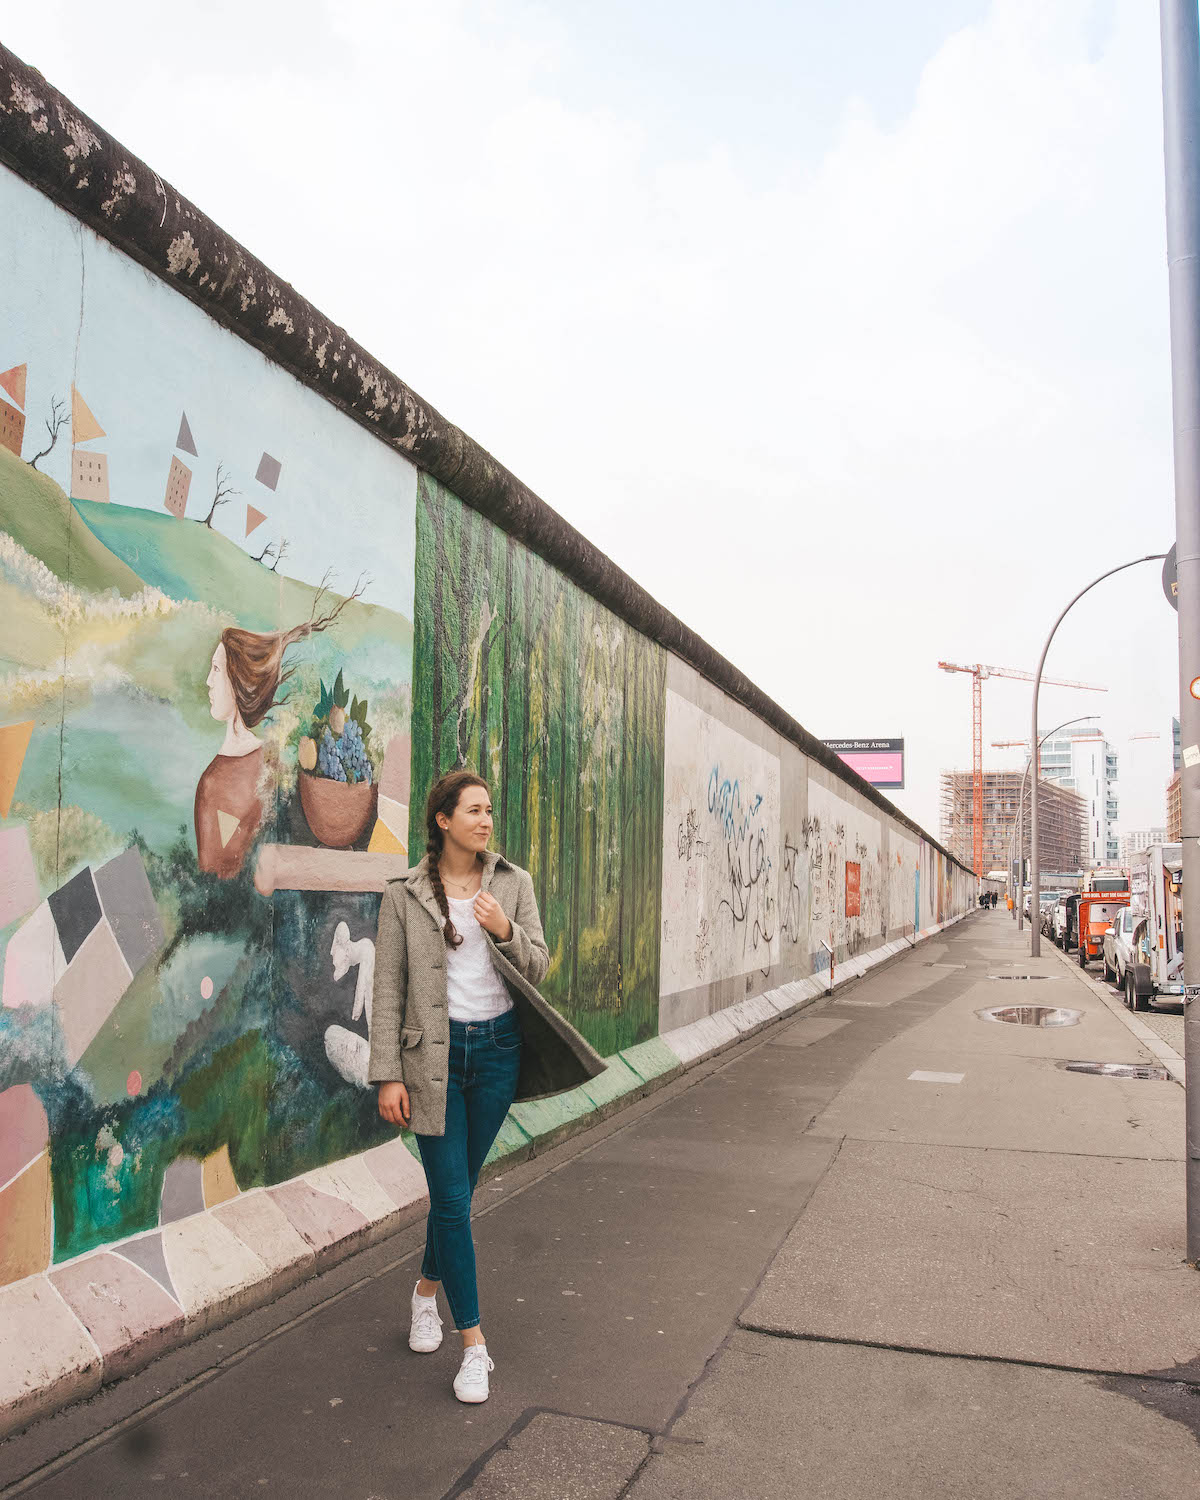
978,672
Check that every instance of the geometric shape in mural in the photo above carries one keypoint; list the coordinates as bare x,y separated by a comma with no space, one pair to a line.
179,482
268,471
19,892
13,381
33,962
227,826
14,741
117,1303
26,1222
76,909
89,475
146,1252
12,428
24,1129
128,903
89,991
391,830
220,1185
395,778
84,426
384,841
182,1190
185,442
254,518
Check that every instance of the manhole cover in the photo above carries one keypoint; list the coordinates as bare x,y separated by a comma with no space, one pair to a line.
1024,976
1120,1070
1030,1015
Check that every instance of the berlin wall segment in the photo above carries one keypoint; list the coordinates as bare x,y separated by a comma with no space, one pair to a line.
243,634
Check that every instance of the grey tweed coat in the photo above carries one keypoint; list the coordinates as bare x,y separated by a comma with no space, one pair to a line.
410,1023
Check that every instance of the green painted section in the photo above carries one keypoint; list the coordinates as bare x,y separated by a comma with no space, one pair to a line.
541,1117
651,1059
511,1138
519,674
616,1080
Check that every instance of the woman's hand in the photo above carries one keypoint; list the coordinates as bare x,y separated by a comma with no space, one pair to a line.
490,915
393,1103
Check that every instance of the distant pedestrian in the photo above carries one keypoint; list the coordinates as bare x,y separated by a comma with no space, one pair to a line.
459,1031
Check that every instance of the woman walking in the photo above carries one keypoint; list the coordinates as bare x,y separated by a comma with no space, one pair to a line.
459,1031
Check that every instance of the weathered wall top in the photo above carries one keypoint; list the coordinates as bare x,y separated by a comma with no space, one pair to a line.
67,156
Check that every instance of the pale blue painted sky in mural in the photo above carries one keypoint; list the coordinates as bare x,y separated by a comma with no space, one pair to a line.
840,324
141,357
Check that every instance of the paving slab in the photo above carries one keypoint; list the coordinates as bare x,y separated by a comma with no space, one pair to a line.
556,1457
1063,1260
776,1419
1059,1111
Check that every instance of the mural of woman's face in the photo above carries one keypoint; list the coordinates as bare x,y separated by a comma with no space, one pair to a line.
221,702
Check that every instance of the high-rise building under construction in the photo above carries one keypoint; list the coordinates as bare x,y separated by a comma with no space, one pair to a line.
1062,821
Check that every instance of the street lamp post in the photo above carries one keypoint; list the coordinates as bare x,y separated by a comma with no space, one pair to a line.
1035,931
1180,31
1020,826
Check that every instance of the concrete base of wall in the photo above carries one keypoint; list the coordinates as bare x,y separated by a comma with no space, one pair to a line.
94,1319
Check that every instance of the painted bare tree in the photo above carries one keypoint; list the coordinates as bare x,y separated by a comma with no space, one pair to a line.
54,425
223,493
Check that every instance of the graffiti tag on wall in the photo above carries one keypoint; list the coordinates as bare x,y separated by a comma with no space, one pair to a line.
721,888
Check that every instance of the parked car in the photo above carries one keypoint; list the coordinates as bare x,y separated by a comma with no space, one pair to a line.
1049,900
1118,947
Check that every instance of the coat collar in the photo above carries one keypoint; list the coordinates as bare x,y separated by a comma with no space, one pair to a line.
418,882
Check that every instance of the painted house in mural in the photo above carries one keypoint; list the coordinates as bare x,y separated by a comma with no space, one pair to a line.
243,637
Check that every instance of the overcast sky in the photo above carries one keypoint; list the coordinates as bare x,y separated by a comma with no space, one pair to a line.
841,325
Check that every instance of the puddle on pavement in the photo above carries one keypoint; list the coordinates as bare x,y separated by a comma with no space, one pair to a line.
1030,1015
1120,1070
1025,976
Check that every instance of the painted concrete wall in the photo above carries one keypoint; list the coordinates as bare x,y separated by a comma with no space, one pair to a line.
242,636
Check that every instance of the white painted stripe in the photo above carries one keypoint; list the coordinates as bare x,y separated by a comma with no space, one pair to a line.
922,1077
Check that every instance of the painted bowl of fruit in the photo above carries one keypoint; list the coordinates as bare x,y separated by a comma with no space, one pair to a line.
338,793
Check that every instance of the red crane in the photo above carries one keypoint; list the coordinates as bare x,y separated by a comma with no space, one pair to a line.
978,673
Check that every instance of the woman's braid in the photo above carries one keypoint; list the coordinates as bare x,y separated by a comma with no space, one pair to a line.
434,850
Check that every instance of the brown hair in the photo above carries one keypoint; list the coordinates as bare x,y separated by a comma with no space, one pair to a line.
443,798
254,658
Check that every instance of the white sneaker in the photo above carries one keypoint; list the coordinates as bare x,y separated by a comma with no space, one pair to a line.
425,1330
471,1382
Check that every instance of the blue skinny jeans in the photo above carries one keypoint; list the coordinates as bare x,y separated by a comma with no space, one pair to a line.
485,1059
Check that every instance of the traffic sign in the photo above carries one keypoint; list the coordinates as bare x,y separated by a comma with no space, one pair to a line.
1170,578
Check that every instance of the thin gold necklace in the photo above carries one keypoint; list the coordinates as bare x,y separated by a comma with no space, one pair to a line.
461,885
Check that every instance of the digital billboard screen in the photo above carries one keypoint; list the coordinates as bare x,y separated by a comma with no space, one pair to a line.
881,762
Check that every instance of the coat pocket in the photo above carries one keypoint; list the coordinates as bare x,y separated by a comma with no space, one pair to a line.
410,1036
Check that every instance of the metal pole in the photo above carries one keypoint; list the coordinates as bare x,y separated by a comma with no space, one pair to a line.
1066,724
1180,29
1035,891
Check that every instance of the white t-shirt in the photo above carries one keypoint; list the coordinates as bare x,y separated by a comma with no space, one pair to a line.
474,990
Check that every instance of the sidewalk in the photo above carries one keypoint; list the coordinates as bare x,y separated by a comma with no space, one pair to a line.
798,1269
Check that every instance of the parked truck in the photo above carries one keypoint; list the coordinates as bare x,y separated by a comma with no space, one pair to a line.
1157,968
1097,912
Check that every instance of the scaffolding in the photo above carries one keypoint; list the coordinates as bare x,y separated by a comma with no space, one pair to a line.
1062,820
